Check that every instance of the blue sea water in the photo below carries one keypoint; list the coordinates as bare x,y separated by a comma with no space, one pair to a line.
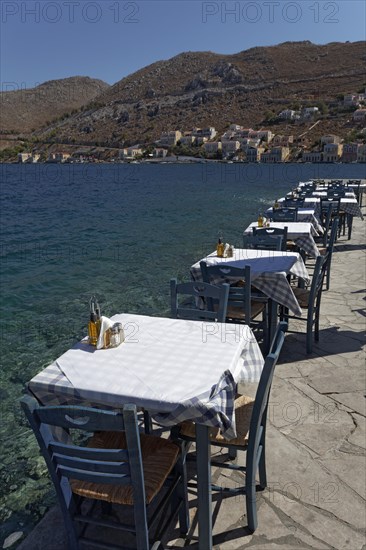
120,232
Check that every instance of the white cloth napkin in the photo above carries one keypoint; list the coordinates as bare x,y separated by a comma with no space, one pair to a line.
105,324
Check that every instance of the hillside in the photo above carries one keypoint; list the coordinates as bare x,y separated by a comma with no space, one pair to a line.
208,89
23,111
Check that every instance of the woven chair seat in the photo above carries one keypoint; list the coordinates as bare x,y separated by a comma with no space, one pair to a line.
243,414
158,457
238,313
302,296
291,245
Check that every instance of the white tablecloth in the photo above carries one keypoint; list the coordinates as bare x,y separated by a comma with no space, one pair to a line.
301,232
268,272
176,369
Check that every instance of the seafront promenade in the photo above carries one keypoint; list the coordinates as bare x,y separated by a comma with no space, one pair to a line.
316,437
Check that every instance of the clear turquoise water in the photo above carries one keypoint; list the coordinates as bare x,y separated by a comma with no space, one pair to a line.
117,231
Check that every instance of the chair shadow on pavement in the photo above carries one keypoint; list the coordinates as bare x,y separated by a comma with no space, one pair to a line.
332,341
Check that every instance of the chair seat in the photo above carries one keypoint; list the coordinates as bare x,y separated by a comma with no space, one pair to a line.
302,296
243,414
238,313
291,245
158,456
322,250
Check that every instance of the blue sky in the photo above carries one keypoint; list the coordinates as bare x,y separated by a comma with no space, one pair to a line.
109,39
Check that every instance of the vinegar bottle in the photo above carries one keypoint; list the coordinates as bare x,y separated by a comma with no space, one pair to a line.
220,248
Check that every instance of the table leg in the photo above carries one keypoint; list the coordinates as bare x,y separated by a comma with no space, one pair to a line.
204,488
273,306
349,223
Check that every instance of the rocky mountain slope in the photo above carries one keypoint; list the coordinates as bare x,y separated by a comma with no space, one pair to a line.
208,89
27,110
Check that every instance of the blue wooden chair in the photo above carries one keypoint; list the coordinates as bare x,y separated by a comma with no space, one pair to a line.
244,303
263,242
250,421
272,232
296,202
241,306
328,251
118,465
199,301
335,204
285,215
310,299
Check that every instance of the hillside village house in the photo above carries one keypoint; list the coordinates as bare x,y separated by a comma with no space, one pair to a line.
170,139
324,140
288,114
350,152
28,158
253,154
309,112
265,135
159,152
246,142
282,141
23,157
208,133
130,152
312,156
332,152
212,147
359,115
187,140
58,157
230,147
276,154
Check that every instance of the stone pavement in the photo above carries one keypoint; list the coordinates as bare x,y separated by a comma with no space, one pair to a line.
316,437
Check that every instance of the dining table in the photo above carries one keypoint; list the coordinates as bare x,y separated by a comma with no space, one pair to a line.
307,214
302,233
269,271
175,369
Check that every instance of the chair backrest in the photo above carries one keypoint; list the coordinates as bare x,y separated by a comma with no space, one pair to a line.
297,202
273,232
259,415
285,215
68,459
263,242
198,301
335,202
240,294
329,250
336,193
317,285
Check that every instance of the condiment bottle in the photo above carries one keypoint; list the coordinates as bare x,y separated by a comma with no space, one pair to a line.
260,220
92,325
97,311
116,335
220,248
276,205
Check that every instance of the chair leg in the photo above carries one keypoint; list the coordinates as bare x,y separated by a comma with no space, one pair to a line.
309,336
251,498
183,494
233,453
262,468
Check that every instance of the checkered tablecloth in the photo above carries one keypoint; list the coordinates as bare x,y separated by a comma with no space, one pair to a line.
300,232
348,205
268,272
176,369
